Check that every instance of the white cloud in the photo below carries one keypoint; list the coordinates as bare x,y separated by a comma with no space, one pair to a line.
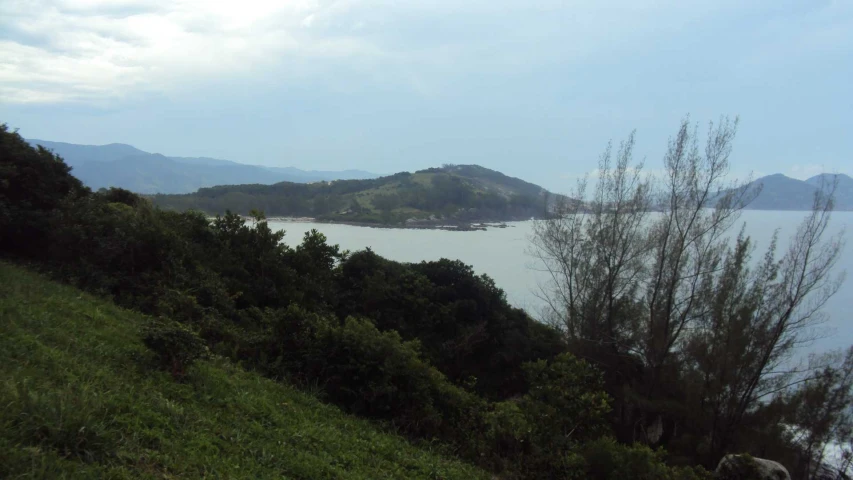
86,50
103,50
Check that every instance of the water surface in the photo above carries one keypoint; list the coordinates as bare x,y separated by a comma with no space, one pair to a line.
502,253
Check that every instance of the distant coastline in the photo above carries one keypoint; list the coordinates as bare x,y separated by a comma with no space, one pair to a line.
437,225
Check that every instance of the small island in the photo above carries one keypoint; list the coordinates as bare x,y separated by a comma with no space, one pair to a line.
452,197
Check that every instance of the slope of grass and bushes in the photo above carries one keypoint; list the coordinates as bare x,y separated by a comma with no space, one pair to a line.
452,193
429,351
82,398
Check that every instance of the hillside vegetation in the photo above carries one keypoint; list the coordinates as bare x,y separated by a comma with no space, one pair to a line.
452,193
81,400
431,351
616,387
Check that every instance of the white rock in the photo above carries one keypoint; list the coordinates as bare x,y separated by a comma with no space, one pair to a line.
742,467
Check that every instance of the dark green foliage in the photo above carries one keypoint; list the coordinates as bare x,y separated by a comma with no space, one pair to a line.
566,400
604,459
34,183
431,349
464,324
378,375
175,345
78,403
369,372
565,407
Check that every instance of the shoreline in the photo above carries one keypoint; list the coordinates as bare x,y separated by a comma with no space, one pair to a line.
446,226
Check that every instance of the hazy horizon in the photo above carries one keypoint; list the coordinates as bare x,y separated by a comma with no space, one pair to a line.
532,89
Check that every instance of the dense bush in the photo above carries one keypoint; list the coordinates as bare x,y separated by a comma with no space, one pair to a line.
175,345
565,407
465,326
604,459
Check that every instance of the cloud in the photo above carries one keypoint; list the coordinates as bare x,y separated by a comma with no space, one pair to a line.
103,50
91,51
86,50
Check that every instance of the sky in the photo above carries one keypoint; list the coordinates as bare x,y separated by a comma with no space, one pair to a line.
532,88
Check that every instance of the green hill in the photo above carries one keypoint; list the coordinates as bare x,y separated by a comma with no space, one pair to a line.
79,401
452,193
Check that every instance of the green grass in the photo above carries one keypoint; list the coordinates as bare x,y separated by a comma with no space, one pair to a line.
80,399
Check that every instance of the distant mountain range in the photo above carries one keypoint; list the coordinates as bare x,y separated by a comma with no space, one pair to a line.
125,166
784,193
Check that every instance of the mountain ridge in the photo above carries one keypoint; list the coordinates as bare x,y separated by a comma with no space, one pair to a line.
110,165
780,192
125,166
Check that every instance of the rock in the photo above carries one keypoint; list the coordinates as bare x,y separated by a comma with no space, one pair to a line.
655,430
745,467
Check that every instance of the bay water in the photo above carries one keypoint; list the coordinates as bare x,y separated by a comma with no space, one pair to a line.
503,254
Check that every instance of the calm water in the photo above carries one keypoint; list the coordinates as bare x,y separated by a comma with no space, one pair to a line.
502,254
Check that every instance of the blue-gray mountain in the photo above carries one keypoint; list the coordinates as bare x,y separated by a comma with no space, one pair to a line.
125,166
784,193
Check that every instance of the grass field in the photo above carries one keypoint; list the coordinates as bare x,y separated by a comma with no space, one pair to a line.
80,399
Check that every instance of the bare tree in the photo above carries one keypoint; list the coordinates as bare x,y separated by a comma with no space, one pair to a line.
593,250
645,268
688,238
639,242
750,320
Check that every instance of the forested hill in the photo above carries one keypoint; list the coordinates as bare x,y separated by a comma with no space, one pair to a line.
455,193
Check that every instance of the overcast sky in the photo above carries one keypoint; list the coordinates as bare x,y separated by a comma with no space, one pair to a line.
531,88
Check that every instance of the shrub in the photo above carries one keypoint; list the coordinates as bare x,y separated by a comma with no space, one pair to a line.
605,459
176,346
371,373
566,401
179,306
377,374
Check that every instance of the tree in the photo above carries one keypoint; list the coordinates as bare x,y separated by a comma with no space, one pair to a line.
749,320
820,412
386,201
645,283
34,184
592,250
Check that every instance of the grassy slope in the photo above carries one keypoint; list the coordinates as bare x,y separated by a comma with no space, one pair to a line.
78,400
479,185
366,197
